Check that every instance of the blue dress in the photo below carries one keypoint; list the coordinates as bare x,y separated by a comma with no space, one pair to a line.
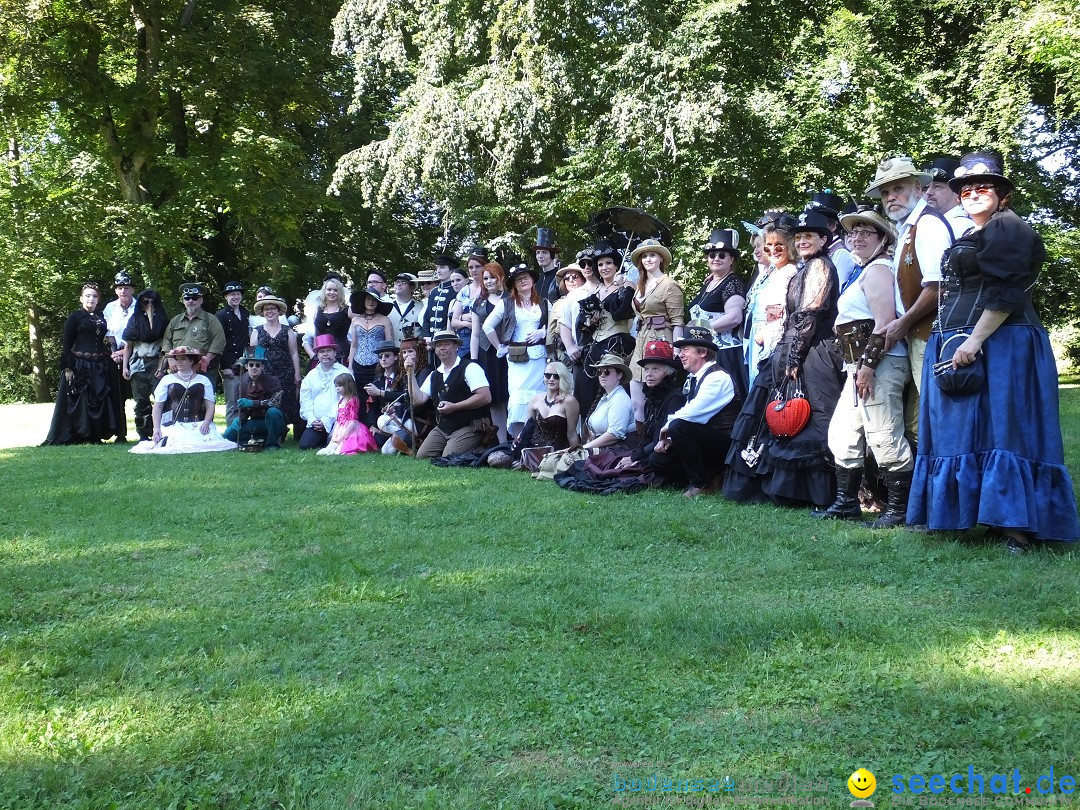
996,456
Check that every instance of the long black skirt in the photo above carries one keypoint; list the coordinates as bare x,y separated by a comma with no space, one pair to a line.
89,409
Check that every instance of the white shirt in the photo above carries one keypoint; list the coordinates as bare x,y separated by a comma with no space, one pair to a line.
526,321
614,414
116,320
318,396
713,394
475,377
931,241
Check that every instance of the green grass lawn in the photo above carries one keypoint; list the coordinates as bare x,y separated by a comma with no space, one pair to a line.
287,631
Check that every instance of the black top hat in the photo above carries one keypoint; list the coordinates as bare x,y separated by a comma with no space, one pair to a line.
976,166
827,202
233,286
383,305
545,240
411,331
446,260
941,168
520,269
725,239
698,334
813,221
604,249
122,279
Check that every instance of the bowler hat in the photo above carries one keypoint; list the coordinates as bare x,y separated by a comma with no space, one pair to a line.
977,166
697,333
387,346
814,222
941,168
233,286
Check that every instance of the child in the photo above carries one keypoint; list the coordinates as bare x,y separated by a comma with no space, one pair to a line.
349,436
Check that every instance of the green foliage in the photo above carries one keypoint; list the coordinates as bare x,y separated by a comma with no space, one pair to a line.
426,637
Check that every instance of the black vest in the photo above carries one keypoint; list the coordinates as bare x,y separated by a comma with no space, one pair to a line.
454,389
725,417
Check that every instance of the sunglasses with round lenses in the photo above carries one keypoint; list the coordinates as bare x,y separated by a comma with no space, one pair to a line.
254,364
773,248
980,190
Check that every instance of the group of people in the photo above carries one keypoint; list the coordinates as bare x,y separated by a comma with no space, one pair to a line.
895,336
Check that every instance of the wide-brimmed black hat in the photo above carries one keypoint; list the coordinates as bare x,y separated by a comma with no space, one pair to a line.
978,166
942,167
520,269
725,239
383,304
813,221
697,333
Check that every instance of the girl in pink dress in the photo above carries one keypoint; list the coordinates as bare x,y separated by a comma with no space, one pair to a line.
350,435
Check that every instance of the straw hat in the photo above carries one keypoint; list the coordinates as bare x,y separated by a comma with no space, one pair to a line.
651,246
896,168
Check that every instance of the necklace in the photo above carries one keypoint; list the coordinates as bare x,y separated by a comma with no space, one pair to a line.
188,378
551,402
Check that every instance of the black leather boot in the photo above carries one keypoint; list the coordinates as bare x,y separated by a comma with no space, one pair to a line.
846,506
895,513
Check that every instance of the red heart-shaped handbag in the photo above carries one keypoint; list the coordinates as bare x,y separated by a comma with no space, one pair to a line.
787,416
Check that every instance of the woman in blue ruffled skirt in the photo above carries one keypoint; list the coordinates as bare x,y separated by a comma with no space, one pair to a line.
990,447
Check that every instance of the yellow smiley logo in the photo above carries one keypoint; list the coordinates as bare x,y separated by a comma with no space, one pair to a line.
862,784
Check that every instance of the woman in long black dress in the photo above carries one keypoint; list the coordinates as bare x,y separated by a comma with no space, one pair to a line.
721,301
797,470
88,406
282,357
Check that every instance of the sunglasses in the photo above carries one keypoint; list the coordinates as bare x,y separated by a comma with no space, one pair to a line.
549,376
605,371
254,364
773,248
192,297
384,355
585,262
980,190
715,254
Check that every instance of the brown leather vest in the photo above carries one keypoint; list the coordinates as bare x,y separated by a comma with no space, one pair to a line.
909,280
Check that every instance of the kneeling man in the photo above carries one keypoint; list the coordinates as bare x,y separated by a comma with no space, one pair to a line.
461,393
258,396
694,440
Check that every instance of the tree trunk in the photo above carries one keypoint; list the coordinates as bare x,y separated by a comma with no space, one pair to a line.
37,356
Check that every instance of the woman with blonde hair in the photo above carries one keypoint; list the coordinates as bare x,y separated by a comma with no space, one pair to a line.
332,317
